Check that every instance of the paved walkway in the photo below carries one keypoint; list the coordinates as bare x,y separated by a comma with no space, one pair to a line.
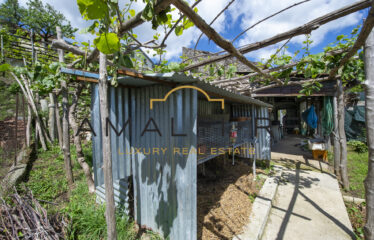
308,205
288,152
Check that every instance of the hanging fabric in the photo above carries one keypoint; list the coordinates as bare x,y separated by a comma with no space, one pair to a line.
327,116
310,117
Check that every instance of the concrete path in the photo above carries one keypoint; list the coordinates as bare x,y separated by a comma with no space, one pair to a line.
308,205
288,152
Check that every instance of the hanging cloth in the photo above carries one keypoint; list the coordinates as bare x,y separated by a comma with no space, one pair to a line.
327,117
310,117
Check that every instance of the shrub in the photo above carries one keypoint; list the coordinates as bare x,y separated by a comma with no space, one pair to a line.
358,146
87,219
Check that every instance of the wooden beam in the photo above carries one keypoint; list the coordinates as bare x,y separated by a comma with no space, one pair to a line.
86,79
148,78
233,81
218,39
301,30
364,33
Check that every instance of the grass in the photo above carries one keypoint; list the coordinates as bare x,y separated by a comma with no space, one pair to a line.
357,171
85,218
356,214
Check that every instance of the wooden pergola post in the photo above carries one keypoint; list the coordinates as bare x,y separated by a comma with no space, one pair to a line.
336,139
369,117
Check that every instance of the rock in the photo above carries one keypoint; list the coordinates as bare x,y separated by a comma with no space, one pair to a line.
15,173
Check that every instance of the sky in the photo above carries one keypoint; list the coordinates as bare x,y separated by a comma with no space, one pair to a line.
239,16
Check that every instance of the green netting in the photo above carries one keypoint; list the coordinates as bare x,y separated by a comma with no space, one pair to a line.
327,116
354,123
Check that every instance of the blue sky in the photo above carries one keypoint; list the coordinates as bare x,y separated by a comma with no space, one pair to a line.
240,15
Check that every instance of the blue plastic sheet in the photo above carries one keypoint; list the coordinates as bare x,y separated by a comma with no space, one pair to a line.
310,117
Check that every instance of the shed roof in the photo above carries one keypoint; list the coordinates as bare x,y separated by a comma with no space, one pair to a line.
171,78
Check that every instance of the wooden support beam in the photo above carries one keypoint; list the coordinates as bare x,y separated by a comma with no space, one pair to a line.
86,79
364,33
148,78
218,39
301,30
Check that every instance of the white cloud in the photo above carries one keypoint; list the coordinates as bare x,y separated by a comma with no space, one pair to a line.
248,12
253,11
207,11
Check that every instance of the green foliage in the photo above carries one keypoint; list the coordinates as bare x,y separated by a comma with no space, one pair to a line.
12,13
93,9
313,66
107,43
356,214
186,24
358,146
43,77
166,66
357,171
310,87
44,18
5,67
87,219
7,106
47,178
252,197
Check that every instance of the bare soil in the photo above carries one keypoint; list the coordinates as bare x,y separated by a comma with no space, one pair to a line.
224,198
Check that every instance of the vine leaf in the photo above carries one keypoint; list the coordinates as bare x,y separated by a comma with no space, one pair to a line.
4,67
93,9
107,43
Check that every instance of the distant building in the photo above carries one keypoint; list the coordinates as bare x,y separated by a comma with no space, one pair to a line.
198,55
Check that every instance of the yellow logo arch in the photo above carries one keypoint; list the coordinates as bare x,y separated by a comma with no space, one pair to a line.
187,86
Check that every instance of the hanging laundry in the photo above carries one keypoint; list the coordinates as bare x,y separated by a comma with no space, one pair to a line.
310,117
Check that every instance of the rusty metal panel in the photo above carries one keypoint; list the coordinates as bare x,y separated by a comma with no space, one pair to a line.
165,183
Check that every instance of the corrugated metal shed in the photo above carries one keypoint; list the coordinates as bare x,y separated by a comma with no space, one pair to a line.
164,183
173,78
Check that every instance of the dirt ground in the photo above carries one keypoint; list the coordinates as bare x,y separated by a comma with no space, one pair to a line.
224,198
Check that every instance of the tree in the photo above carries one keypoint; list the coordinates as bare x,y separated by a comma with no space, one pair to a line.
369,112
12,13
44,19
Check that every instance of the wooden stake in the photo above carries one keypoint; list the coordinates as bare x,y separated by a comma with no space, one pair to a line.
107,153
336,139
369,117
342,137
65,120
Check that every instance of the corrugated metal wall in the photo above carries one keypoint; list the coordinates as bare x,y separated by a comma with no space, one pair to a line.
118,115
165,184
263,149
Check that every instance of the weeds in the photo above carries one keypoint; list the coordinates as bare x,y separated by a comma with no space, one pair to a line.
358,146
87,219
356,214
252,197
